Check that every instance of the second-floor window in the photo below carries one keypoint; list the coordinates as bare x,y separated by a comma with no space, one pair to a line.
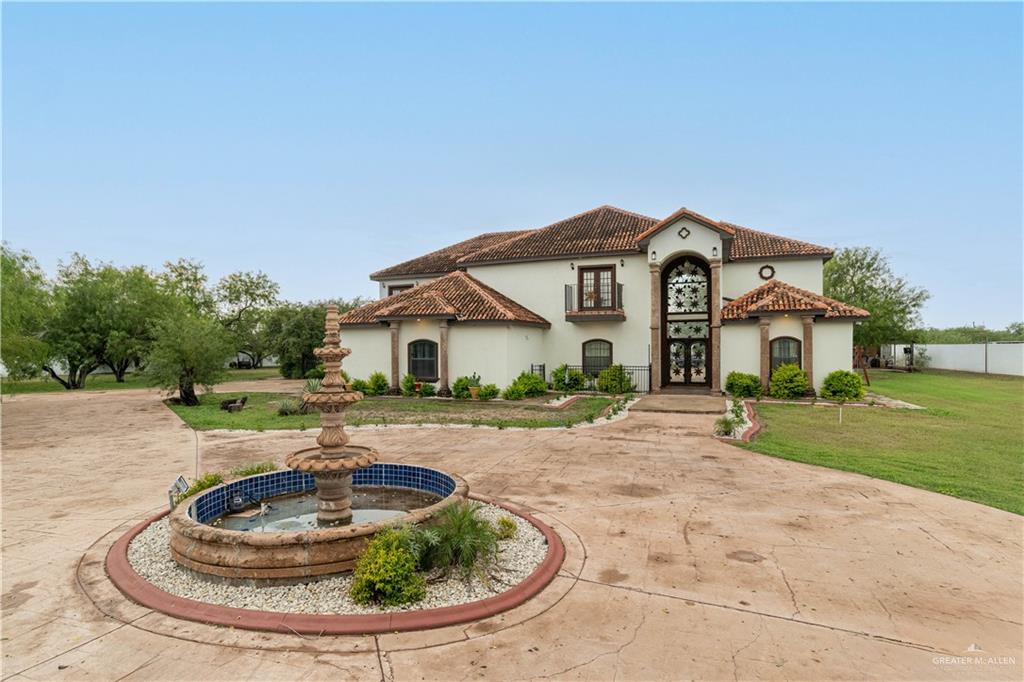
398,288
597,288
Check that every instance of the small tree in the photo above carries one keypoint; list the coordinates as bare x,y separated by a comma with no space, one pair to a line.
24,311
188,350
244,300
293,330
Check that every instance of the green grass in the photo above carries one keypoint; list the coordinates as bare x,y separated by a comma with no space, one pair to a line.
968,443
106,382
260,413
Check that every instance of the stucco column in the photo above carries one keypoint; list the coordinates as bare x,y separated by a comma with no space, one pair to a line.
394,356
808,348
442,362
716,326
766,358
655,327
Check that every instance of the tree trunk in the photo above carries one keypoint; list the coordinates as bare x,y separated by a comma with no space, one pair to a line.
56,376
187,389
118,369
861,361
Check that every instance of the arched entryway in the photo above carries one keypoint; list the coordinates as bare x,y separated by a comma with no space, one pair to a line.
686,322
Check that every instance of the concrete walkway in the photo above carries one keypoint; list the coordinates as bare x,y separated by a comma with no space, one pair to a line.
688,558
681,403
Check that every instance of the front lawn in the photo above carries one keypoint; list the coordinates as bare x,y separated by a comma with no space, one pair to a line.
106,382
260,413
968,443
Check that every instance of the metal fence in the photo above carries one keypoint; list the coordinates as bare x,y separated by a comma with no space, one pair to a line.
640,375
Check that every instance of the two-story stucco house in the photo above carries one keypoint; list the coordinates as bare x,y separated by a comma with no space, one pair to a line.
690,297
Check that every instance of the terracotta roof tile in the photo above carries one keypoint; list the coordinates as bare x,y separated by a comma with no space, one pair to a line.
444,260
601,230
748,244
776,296
685,213
457,296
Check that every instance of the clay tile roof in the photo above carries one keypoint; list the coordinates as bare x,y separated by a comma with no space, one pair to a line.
778,297
457,296
684,212
444,260
749,244
601,230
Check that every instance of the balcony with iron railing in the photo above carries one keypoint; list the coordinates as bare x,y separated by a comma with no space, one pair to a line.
593,305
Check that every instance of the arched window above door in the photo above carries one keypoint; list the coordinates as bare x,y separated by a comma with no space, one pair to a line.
686,287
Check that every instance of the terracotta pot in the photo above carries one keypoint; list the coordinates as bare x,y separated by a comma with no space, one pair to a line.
474,392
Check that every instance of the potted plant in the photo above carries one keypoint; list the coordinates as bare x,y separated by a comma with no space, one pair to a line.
474,386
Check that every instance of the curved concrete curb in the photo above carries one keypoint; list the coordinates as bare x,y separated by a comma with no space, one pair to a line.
755,425
133,586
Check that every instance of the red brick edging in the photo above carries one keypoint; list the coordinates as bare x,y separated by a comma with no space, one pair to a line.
139,590
755,425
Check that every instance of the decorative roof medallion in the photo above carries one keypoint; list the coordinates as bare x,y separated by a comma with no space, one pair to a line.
684,232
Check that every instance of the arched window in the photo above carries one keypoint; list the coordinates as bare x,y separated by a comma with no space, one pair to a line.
597,355
423,360
686,287
785,351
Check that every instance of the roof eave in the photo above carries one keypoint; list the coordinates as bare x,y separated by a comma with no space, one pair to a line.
572,256
377,277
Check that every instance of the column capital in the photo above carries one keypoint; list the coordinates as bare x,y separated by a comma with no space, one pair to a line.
807,319
715,262
654,267
764,321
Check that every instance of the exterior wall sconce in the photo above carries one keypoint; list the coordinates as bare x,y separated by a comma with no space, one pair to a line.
654,256
622,262
714,251
572,266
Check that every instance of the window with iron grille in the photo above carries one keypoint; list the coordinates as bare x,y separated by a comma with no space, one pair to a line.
597,286
785,351
597,355
423,360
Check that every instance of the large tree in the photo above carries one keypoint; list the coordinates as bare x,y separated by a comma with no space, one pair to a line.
189,350
185,279
244,300
137,302
295,329
862,277
25,304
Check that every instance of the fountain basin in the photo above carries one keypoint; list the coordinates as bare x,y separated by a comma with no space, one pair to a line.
228,553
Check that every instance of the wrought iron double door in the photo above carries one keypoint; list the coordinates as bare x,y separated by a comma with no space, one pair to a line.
688,361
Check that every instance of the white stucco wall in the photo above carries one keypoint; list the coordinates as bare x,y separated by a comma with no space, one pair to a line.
667,244
540,286
741,349
740,277
371,351
1002,358
484,349
833,348
412,330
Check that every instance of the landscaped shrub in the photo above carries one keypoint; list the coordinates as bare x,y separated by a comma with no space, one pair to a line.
532,384
788,381
253,469
359,385
513,392
464,540
739,412
460,389
614,379
377,384
488,392
741,385
726,425
842,385
386,572
408,385
427,390
288,407
312,385
202,483
507,528
568,380
315,373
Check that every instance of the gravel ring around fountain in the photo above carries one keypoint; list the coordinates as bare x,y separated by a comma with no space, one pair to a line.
446,602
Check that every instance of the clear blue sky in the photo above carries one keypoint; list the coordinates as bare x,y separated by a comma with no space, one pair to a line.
321,142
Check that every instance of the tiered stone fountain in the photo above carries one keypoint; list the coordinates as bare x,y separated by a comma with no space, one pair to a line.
335,462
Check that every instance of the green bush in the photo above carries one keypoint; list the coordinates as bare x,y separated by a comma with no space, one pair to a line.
568,380
386,572
741,385
489,392
531,384
614,379
408,385
359,385
464,540
377,384
460,389
513,392
312,385
315,373
288,407
427,390
842,385
739,412
202,483
788,381
507,528
726,425
253,469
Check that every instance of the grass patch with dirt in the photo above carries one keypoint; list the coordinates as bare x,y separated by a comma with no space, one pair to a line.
107,382
968,443
260,413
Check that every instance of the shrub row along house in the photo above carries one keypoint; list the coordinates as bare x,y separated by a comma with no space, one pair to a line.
689,297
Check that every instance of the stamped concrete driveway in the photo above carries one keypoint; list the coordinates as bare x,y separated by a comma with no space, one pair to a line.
687,558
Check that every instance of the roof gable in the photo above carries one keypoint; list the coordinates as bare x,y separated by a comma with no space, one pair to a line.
721,228
458,296
601,230
445,260
776,296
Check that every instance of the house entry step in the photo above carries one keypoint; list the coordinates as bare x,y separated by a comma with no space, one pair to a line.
680,403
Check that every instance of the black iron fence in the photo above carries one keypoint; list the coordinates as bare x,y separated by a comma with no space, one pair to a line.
639,375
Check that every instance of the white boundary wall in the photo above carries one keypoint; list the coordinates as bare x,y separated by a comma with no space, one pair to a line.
1002,358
